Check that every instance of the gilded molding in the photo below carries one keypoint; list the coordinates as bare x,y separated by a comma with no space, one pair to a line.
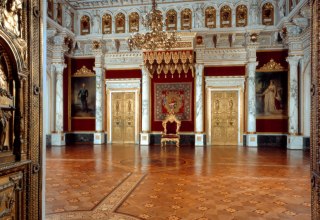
271,66
84,71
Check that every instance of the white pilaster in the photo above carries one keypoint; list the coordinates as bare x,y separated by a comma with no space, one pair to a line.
294,141
58,137
145,116
251,137
99,135
199,136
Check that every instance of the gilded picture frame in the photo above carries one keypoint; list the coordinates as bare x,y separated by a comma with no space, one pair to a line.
107,24
85,25
210,17
225,17
134,20
241,16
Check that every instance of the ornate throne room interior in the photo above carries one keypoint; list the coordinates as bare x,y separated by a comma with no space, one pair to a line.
236,74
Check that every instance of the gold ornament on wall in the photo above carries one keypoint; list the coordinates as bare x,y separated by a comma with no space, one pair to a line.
171,20
210,16
271,66
241,16
84,71
169,61
107,24
186,19
225,16
134,22
120,23
85,25
267,14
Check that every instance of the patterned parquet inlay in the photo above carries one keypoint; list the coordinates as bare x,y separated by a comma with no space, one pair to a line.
147,182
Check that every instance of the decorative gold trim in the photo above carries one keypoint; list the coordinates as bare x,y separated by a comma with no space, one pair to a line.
120,23
83,72
85,25
271,66
186,19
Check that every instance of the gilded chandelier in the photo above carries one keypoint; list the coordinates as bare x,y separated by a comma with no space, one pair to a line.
155,38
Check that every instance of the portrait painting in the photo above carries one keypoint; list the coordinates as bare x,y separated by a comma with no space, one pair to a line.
271,94
83,96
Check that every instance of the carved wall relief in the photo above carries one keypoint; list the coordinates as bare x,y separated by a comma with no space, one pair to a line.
225,16
186,19
107,24
50,9
85,25
171,20
267,14
241,16
133,22
120,23
210,16
10,16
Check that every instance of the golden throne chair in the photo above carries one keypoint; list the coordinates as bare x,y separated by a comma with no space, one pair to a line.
171,126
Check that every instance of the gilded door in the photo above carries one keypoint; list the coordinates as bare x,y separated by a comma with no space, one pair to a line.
123,117
224,118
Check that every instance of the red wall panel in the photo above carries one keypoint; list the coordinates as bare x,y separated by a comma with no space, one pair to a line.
278,56
272,125
119,74
185,125
225,71
83,124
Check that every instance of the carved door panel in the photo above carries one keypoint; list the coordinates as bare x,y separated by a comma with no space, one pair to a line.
129,122
224,118
123,121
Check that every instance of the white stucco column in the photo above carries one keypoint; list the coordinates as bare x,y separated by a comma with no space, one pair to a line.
199,135
145,108
294,140
58,136
99,135
251,137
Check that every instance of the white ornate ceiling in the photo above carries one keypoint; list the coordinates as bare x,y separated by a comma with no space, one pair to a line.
88,4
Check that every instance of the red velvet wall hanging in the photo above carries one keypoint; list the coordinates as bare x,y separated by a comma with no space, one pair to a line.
172,92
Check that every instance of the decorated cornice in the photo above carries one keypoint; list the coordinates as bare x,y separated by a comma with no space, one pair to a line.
84,71
271,66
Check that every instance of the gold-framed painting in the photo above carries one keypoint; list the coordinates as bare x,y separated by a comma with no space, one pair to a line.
271,94
134,22
225,17
83,93
241,16
120,23
171,20
107,24
210,17
85,25
186,19
267,14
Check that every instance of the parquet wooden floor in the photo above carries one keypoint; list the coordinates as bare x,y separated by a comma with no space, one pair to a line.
150,182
